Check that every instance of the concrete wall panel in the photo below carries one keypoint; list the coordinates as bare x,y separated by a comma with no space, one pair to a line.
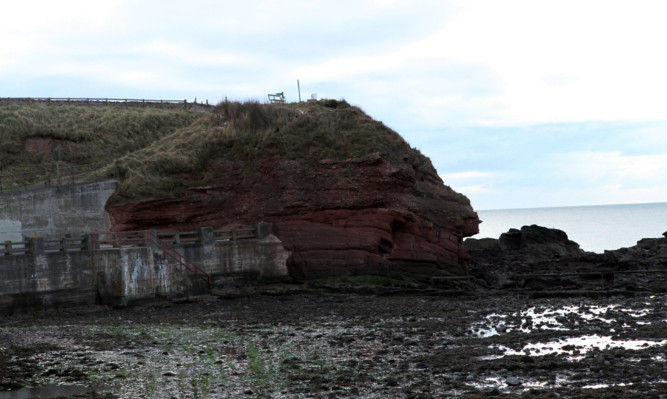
119,276
55,211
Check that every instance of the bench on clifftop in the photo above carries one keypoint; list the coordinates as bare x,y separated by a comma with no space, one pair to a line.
278,98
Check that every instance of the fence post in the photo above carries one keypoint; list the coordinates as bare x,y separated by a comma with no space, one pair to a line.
153,240
205,236
262,229
90,242
35,246
9,248
63,242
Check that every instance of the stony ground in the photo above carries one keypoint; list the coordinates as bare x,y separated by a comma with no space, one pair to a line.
391,344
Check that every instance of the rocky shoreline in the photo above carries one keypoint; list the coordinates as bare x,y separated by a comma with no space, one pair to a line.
542,260
536,318
346,346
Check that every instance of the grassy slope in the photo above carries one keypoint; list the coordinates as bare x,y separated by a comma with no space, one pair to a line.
160,153
244,132
80,135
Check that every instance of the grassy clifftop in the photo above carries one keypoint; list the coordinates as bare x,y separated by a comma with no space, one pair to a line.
161,153
77,136
246,132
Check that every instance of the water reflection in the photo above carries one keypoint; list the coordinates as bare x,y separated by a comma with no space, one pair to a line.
44,391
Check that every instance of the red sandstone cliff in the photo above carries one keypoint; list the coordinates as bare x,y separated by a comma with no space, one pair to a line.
368,213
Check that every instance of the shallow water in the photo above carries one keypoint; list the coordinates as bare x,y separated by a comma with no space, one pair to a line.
44,391
350,347
594,228
580,345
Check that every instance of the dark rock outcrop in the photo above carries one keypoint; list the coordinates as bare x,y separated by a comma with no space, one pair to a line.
538,238
540,259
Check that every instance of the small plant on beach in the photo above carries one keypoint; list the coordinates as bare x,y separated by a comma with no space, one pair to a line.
255,362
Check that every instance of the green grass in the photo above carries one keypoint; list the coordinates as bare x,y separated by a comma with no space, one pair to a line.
159,153
240,134
77,136
255,361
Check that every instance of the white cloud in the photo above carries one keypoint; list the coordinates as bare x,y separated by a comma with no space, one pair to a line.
566,60
617,194
612,167
469,175
475,189
61,17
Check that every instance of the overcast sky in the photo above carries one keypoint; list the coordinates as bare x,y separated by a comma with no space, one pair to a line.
518,103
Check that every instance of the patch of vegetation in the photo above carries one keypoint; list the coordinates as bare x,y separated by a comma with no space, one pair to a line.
242,133
255,361
161,153
75,136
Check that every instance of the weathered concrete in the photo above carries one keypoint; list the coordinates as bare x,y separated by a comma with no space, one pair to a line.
55,211
265,256
137,273
46,280
120,276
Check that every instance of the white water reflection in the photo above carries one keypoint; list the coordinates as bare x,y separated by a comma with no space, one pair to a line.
571,317
45,391
579,345
564,318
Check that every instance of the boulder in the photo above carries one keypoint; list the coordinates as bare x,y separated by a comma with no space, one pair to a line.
538,238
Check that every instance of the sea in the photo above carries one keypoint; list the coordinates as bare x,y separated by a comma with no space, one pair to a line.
594,228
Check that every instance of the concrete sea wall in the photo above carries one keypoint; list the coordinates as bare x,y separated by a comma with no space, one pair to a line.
41,278
46,280
55,211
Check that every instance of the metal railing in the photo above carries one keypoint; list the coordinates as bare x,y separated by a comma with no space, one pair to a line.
183,262
184,237
62,244
163,241
145,238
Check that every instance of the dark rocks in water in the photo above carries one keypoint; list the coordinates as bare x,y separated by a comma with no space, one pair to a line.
534,241
513,381
482,244
538,237
539,259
